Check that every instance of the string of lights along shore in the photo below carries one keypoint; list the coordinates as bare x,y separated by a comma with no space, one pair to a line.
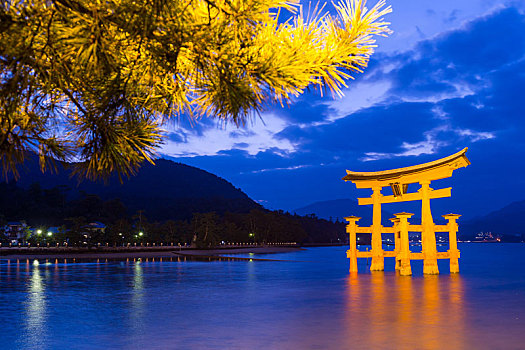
398,180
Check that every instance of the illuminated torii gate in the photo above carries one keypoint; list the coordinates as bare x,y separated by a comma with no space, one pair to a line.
398,180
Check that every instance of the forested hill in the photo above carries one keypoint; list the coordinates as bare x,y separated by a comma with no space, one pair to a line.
169,202
166,190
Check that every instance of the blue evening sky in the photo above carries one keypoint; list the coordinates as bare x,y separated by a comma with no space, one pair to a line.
451,76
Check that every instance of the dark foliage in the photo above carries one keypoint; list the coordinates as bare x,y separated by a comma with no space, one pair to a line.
42,208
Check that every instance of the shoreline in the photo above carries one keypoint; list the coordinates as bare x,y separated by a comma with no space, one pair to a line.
124,253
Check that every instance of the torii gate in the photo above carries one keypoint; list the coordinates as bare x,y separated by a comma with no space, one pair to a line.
398,180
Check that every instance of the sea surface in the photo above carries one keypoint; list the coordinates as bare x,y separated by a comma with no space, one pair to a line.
306,301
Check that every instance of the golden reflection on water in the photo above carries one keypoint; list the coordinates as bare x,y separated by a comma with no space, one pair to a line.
398,312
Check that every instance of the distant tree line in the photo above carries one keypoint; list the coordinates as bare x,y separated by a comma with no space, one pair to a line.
43,208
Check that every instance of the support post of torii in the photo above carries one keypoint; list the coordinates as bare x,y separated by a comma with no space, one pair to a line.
351,229
404,250
397,241
453,241
428,236
378,261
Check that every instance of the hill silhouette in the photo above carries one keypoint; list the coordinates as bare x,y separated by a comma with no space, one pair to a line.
163,203
166,190
506,221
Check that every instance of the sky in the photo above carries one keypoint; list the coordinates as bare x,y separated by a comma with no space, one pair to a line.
452,75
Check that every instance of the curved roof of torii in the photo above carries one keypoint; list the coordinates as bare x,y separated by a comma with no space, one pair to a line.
400,172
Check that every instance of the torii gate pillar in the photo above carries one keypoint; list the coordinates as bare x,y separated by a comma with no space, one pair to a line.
378,261
351,229
428,236
404,250
453,246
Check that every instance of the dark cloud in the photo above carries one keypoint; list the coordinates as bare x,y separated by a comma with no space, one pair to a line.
241,145
452,17
484,44
420,32
190,126
178,137
241,132
430,13
460,58
378,129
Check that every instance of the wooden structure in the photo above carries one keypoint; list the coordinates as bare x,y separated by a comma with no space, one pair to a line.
398,180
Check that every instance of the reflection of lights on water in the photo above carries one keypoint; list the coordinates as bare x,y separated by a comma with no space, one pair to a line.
35,308
138,277
137,296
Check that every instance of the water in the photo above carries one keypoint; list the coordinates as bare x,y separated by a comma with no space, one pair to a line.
307,302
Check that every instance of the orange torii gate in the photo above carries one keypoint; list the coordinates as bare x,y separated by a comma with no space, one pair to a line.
398,180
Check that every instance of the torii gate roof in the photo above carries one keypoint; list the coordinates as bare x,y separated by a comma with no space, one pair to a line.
435,170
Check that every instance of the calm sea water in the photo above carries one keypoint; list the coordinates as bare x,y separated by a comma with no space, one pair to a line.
306,302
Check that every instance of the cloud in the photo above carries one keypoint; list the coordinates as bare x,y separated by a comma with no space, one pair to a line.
428,146
462,88
451,66
178,137
293,167
433,141
408,104
475,136
216,138
483,45
361,95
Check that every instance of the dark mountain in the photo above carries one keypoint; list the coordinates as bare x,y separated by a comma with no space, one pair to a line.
166,202
339,208
166,190
509,221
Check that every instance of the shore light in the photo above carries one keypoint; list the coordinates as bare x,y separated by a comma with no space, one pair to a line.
39,232
141,234
49,233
